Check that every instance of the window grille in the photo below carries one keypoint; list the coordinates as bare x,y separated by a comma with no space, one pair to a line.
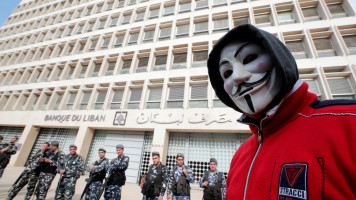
198,96
100,100
169,10
116,100
149,35
71,99
201,28
200,58
154,98
139,16
201,4
160,63
154,13
133,38
182,30
179,60
184,7
165,33
340,87
85,100
176,96
135,98
142,64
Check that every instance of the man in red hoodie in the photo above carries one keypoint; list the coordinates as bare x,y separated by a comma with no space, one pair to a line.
301,148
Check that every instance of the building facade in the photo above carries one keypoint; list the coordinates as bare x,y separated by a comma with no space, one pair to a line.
101,72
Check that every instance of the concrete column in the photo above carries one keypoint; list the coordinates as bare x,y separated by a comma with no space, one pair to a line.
27,140
160,143
83,140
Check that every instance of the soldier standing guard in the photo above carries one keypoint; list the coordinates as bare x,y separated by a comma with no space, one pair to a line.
48,170
213,182
97,172
117,168
7,150
154,185
70,168
30,173
179,179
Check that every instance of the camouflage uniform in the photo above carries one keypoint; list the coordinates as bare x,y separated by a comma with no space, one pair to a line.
93,191
213,179
153,175
5,157
29,175
73,166
47,174
112,190
175,174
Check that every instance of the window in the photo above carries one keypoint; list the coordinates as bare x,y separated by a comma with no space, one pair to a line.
311,14
154,98
200,58
149,34
297,49
111,67
201,28
34,101
126,19
46,97
132,2
219,2
337,10
341,88
168,10
286,17
80,29
88,11
182,30
263,16
70,73
198,96
165,33
100,7
119,40
313,87
241,19
221,25
106,42
83,70
201,4
121,3
324,47
110,6
180,60
142,64
58,101
85,100
93,45
140,16
184,7
114,21
160,63
126,66
133,38
135,98
96,70
117,98
102,23
350,41
176,96
70,29
237,1
217,102
100,100
154,13
70,103
90,27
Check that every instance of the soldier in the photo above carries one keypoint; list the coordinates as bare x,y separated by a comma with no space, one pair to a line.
30,174
70,168
154,185
48,170
213,182
7,150
117,170
179,179
97,172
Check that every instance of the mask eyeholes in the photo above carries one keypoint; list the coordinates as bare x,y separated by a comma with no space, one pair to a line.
249,58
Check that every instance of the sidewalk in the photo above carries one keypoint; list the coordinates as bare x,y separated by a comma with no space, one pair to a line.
129,191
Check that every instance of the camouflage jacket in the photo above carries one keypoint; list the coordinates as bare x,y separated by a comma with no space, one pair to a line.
119,164
33,162
212,178
175,175
13,147
102,165
72,164
153,175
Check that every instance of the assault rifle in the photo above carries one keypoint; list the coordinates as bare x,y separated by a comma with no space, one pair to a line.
59,184
106,180
90,179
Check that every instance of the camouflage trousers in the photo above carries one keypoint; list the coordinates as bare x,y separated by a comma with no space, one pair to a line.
148,198
28,177
44,183
66,188
93,191
174,197
112,192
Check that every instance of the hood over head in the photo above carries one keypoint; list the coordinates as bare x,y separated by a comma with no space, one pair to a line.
281,57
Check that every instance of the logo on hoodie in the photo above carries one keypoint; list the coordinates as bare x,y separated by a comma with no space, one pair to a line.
293,182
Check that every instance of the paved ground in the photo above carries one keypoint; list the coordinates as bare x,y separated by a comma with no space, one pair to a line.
129,191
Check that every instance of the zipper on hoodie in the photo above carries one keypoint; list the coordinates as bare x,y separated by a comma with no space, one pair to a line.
254,157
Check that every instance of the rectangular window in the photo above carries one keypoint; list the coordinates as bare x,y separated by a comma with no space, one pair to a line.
106,42
90,27
126,66
109,6
200,58
142,65
198,96
350,41
160,63
34,101
85,100
135,98
313,87
154,13
126,19
132,2
154,98
45,101
263,20
311,14
114,21
286,17
219,2
119,40
82,72
102,24
180,60
176,96
133,38
217,102
70,73
139,16
221,25
184,7
70,103
80,29
58,101
96,70
165,33
70,29
182,30
111,68
324,47
116,100
93,45
201,4
337,10
100,100
341,88
121,3
98,10
169,10
297,49
201,28
149,36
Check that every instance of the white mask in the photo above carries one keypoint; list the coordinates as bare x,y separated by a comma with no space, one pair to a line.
249,76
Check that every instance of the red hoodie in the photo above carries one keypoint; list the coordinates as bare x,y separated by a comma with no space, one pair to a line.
307,151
